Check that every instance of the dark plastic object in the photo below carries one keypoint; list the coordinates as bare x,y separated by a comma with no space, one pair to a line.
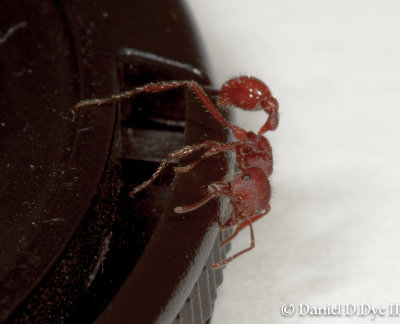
71,238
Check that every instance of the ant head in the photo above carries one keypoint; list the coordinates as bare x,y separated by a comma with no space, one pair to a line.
250,93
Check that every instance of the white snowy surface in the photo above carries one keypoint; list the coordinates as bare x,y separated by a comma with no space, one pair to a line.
333,235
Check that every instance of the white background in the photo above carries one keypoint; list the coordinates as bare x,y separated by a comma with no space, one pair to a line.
333,235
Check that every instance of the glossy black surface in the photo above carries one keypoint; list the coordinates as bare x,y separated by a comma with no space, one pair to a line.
70,235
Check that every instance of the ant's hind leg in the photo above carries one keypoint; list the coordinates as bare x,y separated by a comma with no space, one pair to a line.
241,226
252,244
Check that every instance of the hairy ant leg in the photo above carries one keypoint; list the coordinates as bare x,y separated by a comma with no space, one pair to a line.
156,87
248,221
241,226
214,149
185,151
252,245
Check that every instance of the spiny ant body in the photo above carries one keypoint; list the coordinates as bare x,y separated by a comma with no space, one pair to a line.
249,191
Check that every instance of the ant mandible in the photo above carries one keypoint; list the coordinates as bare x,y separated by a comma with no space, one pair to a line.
249,191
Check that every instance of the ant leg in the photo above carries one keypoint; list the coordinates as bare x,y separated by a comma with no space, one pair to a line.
185,151
147,88
216,148
210,146
154,88
252,244
214,189
241,226
207,145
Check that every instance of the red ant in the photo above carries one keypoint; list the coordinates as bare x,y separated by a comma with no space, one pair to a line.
249,191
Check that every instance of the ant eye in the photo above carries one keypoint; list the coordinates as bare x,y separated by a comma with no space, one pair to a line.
246,177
